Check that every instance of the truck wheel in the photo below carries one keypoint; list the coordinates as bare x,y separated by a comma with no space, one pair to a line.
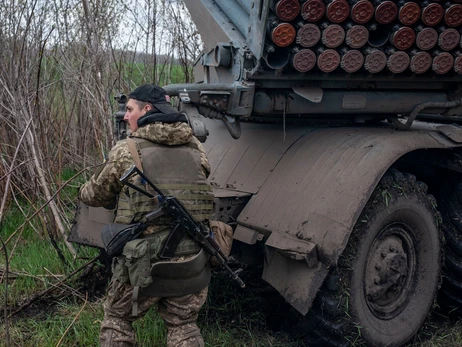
451,290
388,276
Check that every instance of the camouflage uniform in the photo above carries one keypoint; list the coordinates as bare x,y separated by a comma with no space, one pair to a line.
103,188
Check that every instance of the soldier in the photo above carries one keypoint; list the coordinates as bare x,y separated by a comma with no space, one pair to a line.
162,143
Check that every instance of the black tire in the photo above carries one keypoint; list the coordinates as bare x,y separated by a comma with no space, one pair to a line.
389,274
451,291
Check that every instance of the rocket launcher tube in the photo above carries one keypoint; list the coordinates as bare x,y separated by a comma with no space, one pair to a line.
409,13
337,11
385,12
426,38
362,11
286,10
448,38
432,14
356,36
352,60
313,10
420,62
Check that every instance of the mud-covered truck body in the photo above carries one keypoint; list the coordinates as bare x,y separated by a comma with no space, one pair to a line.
333,139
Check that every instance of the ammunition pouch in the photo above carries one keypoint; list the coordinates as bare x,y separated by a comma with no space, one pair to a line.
179,278
138,262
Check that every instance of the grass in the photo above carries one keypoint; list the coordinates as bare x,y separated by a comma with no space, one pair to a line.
231,316
139,73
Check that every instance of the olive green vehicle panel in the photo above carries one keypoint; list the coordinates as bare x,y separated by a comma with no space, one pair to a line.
310,201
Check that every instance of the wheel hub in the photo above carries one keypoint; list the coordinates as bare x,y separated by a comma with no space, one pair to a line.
389,272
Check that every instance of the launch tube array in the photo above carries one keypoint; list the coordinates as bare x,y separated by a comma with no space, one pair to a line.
365,35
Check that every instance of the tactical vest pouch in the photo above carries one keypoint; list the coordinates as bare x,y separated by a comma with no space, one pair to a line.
119,270
223,235
179,278
137,261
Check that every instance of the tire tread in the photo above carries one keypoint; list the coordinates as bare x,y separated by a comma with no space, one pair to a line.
330,304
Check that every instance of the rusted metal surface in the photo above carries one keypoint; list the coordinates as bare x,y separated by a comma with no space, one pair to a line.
316,193
432,14
403,38
283,34
362,12
313,10
337,11
409,13
88,223
287,10
386,12
453,15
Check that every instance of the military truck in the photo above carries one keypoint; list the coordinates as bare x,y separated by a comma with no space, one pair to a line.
332,129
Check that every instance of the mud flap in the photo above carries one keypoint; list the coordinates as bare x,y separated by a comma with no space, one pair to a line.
294,280
88,224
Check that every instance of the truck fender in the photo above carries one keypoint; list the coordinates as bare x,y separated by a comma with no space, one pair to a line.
309,204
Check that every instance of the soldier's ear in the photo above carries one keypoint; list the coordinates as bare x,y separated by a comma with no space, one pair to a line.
148,107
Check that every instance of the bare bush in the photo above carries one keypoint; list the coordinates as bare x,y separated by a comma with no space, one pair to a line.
62,62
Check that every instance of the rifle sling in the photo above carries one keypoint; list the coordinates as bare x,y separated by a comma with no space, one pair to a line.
172,241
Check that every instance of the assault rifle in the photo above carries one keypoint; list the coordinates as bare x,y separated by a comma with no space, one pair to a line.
115,236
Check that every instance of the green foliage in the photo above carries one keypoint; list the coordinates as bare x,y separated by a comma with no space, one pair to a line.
150,330
232,317
33,260
138,74
49,329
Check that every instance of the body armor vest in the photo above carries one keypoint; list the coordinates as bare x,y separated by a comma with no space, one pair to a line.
175,170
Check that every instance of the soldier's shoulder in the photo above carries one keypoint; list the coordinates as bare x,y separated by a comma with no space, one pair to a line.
196,144
119,152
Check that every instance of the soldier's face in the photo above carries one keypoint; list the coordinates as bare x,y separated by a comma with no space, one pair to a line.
134,112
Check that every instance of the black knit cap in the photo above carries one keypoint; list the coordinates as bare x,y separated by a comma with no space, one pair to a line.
155,95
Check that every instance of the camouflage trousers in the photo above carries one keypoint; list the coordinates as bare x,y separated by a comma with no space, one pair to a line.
179,314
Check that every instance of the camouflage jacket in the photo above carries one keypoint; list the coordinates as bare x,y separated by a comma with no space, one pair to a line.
104,186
